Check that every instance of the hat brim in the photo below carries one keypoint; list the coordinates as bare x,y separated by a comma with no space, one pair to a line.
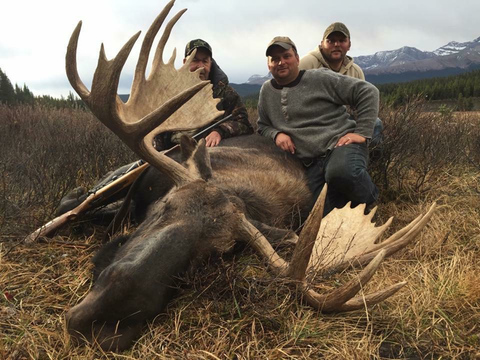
339,31
199,47
284,45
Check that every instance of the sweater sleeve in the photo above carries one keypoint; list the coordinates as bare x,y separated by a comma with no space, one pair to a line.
362,96
367,98
264,123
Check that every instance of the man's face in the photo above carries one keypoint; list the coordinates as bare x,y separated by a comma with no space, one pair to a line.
335,47
283,64
203,60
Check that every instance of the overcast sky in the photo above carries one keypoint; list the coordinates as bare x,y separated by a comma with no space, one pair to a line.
34,34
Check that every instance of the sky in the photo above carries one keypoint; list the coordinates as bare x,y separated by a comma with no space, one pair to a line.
35,34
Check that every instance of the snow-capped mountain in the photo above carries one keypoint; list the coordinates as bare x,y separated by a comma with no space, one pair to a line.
408,63
258,79
400,56
454,47
407,55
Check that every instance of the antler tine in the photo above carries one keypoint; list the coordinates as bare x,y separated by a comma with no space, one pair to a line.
71,64
335,299
368,300
303,249
393,244
158,58
147,43
260,244
412,229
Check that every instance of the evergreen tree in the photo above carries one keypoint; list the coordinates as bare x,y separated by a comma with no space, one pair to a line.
7,93
446,88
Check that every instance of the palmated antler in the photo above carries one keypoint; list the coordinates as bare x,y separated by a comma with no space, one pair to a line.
168,100
338,241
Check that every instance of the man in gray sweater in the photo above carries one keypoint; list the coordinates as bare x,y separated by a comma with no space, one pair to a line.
304,113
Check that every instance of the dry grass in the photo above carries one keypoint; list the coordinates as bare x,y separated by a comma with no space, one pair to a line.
233,308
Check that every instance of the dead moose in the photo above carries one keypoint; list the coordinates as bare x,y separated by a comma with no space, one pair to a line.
245,191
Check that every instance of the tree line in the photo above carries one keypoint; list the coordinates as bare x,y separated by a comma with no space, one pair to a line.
462,88
16,95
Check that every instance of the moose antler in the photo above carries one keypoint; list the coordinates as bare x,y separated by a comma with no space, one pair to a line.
334,244
168,100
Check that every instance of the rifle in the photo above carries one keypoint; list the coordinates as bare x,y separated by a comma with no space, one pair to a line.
98,196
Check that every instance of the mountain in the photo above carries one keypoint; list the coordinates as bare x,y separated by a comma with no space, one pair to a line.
385,59
258,79
252,86
407,64
246,89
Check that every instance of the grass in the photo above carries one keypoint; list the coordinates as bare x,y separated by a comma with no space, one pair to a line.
232,308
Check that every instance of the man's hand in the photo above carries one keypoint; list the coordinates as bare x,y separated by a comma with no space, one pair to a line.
213,139
284,142
350,138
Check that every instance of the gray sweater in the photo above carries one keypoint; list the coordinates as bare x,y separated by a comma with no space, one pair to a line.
312,112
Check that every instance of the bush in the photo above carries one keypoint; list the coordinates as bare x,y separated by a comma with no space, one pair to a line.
419,146
44,153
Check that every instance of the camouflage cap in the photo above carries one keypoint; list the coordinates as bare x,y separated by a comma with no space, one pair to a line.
195,44
336,27
282,41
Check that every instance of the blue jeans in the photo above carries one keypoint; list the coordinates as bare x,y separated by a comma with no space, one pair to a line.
344,169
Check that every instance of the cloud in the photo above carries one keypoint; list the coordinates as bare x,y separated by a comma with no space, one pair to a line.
35,34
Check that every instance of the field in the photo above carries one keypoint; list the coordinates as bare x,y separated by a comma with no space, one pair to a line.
232,308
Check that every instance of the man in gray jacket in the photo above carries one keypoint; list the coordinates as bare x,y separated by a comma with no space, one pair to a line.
303,112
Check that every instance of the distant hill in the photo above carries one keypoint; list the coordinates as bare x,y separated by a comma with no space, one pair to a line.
246,89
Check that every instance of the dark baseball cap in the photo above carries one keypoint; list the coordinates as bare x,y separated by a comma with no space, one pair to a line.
195,44
336,27
283,41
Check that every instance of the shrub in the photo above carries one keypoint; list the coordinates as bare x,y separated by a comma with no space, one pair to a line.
45,152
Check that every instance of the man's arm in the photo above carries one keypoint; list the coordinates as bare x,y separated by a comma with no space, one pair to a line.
359,94
232,104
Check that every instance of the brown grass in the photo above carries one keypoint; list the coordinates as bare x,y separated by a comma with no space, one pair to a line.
232,308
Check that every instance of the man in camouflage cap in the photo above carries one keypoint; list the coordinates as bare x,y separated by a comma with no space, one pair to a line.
230,101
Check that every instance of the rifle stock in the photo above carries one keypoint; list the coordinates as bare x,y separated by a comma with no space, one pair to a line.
96,198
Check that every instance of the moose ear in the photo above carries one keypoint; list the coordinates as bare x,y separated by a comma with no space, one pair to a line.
187,147
195,158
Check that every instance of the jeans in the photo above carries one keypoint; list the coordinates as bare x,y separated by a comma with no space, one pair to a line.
344,169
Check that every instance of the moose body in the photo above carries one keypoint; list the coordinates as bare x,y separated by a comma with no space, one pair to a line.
134,276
